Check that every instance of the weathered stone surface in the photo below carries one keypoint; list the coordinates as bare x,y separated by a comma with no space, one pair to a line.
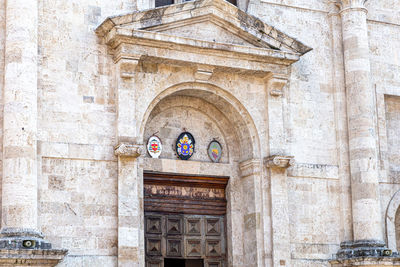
211,69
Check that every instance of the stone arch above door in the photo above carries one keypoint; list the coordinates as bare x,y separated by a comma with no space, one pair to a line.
236,128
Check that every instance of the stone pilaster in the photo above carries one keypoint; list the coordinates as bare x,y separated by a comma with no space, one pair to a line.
277,173
126,98
130,219
130,180
367,221
276,166
253,234
20,240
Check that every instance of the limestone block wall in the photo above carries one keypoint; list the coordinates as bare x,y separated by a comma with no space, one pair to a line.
310,100
317,190
78,209
2,49
393,124
76,131
384,39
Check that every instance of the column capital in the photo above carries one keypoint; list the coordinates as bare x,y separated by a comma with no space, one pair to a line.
277,161
128,150
350,4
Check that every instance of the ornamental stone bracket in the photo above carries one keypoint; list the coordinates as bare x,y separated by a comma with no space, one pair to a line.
276,83
127,66
282,162
128,150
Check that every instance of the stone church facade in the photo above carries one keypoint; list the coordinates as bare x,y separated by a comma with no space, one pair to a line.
302,97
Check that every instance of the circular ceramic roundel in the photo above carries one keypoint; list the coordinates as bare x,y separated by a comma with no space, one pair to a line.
154,146
215,151
185,145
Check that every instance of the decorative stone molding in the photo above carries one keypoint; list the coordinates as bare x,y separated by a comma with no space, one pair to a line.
277,161
128,150
346,4
26,247
139,33
351,253
250,167
367,261
276,83
32,257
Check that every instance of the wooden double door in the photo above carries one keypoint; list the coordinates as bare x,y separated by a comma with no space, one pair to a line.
185,237
184,221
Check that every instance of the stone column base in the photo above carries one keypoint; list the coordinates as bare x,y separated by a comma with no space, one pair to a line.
371,253
367,262
26,247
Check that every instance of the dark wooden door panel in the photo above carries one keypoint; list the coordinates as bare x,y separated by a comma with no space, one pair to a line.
185,219
185,237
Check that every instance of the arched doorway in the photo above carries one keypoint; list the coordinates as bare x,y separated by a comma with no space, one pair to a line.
225,197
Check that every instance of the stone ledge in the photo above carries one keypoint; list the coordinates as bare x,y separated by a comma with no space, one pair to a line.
31,257
309,170
26,247
365,253
367,261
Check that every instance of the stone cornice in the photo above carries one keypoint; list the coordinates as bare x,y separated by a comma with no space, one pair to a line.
277,161
125,42
128,150
219,12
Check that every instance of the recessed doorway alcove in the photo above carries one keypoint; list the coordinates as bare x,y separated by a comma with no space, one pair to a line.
184,220
196,209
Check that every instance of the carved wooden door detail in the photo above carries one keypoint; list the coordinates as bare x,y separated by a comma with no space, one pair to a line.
184,219
185,237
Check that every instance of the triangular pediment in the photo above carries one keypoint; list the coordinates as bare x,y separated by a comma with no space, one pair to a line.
212,21
212,31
